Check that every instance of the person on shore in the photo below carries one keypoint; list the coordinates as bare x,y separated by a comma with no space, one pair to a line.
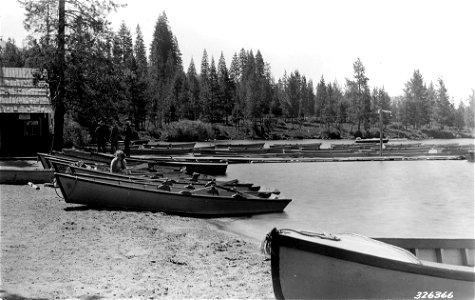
114,138
101,137
127,138
118,164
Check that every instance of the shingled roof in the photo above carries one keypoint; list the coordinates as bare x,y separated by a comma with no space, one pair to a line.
20,94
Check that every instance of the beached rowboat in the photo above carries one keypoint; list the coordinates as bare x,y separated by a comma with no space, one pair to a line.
204,167
178,181
211,201
308,265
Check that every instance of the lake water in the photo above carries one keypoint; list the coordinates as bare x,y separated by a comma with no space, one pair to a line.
377,199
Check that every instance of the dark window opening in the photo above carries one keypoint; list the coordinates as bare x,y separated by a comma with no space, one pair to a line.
32,128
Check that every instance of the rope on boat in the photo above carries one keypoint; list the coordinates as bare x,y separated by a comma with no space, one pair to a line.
322,235
55,186
266,245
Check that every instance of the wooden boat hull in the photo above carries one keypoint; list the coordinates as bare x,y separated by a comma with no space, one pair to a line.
314,268
159,151
128,195
471,156
244,146
208,168
68,168
370,141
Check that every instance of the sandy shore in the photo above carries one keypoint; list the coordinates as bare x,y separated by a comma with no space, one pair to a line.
54,250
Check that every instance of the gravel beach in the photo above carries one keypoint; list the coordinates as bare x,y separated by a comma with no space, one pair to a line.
54,250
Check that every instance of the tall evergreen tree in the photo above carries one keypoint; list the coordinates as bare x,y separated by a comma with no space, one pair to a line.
341,111
432,102
445,109
321,100
205,85
139,93
381,100
226,85
417,109
331,104
215,108
165,62
56,25
126,70
292,94
459,116
359,94
10,55
470,111
192,108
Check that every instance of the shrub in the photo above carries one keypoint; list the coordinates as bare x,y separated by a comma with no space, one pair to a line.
74,135
358,134
438,134
331,133
188,131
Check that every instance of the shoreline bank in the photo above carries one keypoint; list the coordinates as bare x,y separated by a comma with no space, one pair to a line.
51,249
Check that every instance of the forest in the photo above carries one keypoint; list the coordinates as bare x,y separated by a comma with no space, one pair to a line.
98,74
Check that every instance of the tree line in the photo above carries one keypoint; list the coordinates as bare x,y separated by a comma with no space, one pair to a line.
109,76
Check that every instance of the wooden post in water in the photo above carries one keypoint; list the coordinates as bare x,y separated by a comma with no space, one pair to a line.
380,132
381,111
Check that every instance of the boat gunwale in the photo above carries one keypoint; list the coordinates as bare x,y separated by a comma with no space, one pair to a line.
129,177
116,183
81,171
367,259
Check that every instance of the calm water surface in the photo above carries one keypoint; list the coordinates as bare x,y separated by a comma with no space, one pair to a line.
378,199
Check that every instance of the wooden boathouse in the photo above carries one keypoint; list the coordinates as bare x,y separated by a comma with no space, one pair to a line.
26,113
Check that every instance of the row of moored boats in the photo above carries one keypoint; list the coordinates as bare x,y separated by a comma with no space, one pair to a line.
304,265
361,148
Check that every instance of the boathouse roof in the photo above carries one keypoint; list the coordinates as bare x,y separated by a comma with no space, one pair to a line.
20,92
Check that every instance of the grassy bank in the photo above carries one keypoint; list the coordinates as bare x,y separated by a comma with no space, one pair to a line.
277,129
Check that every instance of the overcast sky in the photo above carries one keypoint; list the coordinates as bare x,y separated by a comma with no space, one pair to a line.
318,38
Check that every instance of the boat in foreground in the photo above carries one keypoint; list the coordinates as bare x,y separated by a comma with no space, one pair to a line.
308,265
211,201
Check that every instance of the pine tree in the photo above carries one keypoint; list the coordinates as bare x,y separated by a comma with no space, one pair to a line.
205,85
10,55
432,102
321,100
445,109
193,109
57,26
359,95
226,86
470,111
331,105
139,93
417,109
165,62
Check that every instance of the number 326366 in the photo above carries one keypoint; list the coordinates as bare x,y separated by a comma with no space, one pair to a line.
434,295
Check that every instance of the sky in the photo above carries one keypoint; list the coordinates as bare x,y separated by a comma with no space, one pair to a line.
392,38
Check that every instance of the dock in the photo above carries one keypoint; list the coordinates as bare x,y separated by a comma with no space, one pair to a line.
23,171
252,160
